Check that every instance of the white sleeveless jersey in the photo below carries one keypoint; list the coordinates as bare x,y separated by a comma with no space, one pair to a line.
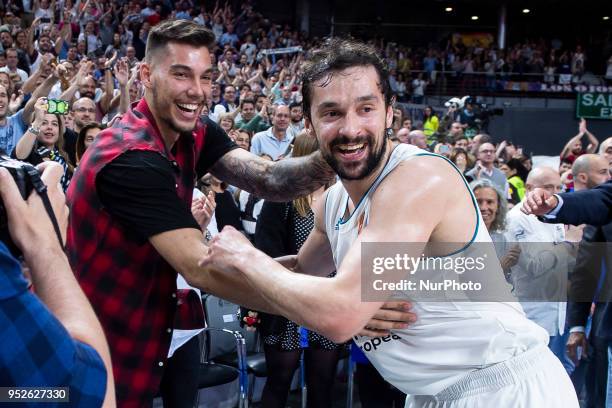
449,339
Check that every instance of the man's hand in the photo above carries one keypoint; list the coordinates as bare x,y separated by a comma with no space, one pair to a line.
84,70
575,340
16,101
511,258
227,249
109,62
29,223
392,315
582,127
539,202
121,72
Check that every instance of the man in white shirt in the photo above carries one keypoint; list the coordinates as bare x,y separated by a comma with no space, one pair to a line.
546,259
11,65
485,168
275,141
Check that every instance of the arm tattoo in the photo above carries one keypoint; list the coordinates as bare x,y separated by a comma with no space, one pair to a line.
283,180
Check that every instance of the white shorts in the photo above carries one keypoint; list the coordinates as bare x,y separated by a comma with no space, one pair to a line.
534,379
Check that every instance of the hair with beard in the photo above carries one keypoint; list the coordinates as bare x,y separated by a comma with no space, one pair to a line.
372,161
337,55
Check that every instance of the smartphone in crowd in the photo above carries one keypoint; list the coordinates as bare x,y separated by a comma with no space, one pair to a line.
57,106
444,149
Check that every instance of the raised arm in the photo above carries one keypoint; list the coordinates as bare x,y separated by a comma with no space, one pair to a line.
107,96
68,94
568,146
593,142
283,180
122,73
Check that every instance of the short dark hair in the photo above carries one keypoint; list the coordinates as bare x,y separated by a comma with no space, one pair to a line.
294,105
337,55
245,101
178,31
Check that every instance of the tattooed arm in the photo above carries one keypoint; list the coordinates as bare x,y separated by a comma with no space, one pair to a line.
283,180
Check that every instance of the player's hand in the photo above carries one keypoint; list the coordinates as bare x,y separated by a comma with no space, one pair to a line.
575,340
392,315
227,249
539,202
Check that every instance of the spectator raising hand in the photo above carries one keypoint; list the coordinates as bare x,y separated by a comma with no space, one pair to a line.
203,209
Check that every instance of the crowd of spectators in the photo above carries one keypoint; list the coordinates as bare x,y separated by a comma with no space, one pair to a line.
88,54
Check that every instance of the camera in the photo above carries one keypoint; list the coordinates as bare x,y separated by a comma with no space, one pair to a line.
483,114
27,178
480,116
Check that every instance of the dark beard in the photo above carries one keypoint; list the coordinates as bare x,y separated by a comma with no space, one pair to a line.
372,161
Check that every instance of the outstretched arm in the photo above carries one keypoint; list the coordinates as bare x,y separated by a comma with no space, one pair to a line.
592,206
274,181
333,306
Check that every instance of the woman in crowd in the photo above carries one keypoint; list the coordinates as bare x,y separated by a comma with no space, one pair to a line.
87,135
226,212
226,122
44,140
430,123
241,137
516,174
282,228
461,159
494,208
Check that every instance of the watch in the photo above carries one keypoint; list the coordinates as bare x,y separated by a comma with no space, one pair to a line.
34,131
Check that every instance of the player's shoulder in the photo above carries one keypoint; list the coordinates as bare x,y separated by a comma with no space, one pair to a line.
424,170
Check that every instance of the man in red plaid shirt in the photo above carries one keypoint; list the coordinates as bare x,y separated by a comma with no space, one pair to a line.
131,229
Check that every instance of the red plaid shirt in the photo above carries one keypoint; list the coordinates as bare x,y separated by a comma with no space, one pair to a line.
131,287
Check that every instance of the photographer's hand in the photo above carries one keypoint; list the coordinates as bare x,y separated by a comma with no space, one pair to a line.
29,223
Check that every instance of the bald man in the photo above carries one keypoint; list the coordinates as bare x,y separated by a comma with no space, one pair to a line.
536,268
590,170
403,135
418,139
605,150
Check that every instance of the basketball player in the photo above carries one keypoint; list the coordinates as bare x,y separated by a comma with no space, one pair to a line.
457,354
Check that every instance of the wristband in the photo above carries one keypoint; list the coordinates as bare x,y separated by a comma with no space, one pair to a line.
34,131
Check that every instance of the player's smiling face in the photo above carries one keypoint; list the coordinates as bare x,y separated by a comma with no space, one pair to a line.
349,117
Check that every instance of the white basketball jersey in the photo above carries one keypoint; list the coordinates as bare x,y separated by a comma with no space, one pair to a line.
449,339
